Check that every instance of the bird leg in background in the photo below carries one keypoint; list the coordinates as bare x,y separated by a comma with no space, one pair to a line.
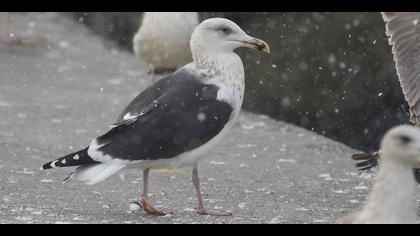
152,72
200,209
144,201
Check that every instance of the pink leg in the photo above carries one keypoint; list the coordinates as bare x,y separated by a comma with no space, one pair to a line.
201,210
144,201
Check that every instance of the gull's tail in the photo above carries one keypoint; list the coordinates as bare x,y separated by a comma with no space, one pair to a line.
79,158
88,170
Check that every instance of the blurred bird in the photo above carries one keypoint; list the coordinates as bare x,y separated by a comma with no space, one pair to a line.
13,39
403,30
391,200
163,39
178,119
7,25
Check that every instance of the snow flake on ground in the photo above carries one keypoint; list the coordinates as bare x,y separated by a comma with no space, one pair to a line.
242,205
253,125
281,160
360,187
217,163
326,177
277,220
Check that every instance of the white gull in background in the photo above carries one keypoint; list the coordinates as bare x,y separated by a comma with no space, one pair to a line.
163,39
403,30
391,200
174,122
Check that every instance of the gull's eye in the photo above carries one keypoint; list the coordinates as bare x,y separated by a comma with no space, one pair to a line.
404,139
225,30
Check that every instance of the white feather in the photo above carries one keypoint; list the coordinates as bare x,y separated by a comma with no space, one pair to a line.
225,96
96,173
128,116
97,155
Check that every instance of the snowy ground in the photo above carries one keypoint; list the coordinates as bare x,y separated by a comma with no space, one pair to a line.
57,95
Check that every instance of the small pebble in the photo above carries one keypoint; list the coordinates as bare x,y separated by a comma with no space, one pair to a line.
134,206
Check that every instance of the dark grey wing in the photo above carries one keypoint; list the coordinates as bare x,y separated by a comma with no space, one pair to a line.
143,103
183,117
403,30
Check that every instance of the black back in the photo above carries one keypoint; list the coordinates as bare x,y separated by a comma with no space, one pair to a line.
176,114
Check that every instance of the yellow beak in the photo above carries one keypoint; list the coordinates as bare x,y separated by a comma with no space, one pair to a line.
257,44
263,46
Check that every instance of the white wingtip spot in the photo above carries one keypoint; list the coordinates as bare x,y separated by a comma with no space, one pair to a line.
53,164
76,157
41,168
63,161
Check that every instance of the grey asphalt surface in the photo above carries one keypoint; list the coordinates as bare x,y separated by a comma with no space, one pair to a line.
61,92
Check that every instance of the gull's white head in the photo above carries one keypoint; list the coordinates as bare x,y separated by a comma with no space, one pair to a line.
402,144
219,35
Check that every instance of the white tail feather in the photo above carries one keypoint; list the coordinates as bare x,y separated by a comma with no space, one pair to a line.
94,174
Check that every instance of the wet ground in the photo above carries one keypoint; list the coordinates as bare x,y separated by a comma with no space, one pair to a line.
66,88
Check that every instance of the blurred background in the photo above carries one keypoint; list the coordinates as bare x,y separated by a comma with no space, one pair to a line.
331,73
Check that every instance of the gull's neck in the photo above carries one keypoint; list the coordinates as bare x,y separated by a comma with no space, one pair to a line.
224,69
392,196
214,64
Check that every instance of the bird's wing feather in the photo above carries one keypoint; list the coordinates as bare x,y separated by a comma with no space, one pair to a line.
150,94
403,30
184,114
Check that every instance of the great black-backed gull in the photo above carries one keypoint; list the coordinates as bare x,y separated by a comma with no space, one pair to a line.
163,39
403,30
179,118
391,200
